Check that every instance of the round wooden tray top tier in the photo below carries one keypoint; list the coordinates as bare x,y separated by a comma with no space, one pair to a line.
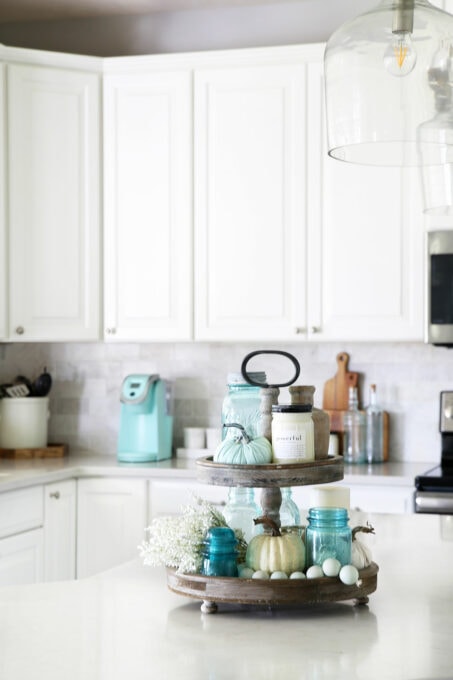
271,592
321,471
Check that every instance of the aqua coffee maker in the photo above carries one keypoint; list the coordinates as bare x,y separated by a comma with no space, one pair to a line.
146,419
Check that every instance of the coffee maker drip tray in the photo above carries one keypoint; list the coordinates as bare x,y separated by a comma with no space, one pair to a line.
439,478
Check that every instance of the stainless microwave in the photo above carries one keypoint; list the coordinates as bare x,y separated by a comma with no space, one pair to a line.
439,322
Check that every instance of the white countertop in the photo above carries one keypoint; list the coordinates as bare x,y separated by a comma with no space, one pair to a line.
15,474
126,624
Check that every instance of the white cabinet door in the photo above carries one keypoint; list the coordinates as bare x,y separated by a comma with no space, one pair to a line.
111,517
366,242
53,163
21,558
3,254
148,206
60,530
250,151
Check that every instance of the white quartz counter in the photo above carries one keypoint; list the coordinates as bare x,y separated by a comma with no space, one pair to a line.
126,624
15,474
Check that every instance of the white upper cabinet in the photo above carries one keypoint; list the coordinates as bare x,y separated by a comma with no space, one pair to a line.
366,242
54,221
148,206
3,254
250,179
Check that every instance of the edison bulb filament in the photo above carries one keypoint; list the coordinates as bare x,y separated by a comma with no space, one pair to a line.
400,56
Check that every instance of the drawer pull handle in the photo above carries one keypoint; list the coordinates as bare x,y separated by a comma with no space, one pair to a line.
55,494
20,330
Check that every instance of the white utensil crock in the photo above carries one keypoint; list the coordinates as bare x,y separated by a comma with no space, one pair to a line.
24,422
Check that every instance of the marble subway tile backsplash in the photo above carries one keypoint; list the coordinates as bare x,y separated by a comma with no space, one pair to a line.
85,398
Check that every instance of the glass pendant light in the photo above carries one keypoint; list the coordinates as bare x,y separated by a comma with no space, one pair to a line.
435,137
378,88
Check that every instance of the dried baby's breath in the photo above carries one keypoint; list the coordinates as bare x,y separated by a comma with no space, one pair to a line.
177,541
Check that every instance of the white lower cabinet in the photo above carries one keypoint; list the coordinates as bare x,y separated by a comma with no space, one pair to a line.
60,504
111,517
366,498
21,536
21,558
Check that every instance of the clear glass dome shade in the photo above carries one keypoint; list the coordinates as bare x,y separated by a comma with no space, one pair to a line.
378,86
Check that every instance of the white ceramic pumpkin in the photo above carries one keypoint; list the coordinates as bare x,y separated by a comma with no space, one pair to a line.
274,552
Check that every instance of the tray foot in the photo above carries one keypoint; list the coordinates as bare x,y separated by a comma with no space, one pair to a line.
208,607
361,600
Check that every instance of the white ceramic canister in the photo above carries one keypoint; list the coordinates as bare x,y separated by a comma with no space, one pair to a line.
24,422
292,433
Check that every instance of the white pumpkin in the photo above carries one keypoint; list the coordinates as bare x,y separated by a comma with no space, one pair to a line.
274,552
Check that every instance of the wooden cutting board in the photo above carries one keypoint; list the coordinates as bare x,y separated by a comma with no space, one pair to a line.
336,390
50,451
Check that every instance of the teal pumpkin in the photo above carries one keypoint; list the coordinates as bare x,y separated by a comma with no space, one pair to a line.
242,450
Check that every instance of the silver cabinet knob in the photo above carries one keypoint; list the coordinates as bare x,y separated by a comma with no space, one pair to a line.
300,330
315,329
20,330
110,331
54,494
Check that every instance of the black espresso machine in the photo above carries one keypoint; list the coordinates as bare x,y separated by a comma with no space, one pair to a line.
434,488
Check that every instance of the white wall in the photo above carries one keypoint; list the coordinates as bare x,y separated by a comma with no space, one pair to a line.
87,382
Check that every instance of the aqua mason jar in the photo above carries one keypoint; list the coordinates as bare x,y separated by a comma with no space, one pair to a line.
241,405
219,552
240,511
328,535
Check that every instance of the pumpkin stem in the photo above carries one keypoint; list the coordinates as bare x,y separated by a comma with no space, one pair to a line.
267,521
366,530
244,434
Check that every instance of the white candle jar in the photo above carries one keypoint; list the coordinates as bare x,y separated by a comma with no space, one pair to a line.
292,433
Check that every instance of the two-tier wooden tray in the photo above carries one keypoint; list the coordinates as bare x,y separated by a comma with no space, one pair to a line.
270,592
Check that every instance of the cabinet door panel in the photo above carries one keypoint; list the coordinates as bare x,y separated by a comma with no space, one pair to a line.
148,206
250,202
53,127
21,558
60,530
111,517
367,282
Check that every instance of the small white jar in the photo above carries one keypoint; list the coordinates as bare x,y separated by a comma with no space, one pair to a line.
293,435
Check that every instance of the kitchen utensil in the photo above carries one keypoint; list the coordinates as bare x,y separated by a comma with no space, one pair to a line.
17,391
336,390
42,384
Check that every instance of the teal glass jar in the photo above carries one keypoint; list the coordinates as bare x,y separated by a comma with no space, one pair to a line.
240,511
241,405
219,553
328,535
289,512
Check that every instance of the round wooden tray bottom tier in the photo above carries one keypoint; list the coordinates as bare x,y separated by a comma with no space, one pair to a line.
295,474
214,589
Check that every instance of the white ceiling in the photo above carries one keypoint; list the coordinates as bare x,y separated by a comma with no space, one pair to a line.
35,10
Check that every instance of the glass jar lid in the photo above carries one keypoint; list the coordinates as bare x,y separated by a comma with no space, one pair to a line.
238,379
291,408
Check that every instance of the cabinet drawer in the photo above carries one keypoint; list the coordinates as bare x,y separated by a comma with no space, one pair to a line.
21,510
167,497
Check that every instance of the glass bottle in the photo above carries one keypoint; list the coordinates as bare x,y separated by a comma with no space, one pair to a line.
328,535
241,404
289,512
354,435
374,429
240,511
219,553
